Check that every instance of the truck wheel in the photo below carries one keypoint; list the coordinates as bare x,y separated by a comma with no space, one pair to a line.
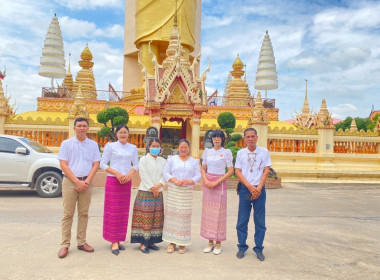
49,184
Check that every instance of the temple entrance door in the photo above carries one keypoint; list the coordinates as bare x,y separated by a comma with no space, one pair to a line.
170,138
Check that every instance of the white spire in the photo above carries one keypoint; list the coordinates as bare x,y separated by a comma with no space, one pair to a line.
266,76
53,56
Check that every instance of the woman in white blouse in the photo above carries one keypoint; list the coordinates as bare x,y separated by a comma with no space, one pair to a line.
214,205
123,163
182,172
148,210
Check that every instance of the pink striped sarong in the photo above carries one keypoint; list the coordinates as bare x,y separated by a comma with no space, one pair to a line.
214,210
116,209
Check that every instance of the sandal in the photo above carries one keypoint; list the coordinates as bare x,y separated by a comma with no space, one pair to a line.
182,249
209,248
217,248
171,248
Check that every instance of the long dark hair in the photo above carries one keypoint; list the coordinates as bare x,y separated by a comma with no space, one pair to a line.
218,133
151,141
120,126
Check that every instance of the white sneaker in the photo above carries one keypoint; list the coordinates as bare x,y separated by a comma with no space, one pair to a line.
208,249
217,251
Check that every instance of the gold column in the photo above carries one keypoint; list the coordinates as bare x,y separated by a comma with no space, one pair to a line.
2,123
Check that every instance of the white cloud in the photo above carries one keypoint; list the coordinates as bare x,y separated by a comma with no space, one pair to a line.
114,31
73,28
342,111
91,4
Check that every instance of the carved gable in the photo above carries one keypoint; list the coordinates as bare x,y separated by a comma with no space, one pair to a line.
177,96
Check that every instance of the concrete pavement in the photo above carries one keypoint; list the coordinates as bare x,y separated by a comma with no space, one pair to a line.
314,231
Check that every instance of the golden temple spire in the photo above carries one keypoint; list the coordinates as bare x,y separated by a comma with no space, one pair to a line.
5,109
258,113
175,24
306,108
353,126
238,91
78,109
238,64
68,82
324,119
85,77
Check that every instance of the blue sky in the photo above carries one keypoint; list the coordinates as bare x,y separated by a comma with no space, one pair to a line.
335,45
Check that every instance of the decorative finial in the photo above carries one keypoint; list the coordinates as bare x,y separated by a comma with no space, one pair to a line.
266,32
55,14
306,90
69,60
175,14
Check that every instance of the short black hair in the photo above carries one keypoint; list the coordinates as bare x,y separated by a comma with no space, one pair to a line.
81,120
218,133
151,141
250,129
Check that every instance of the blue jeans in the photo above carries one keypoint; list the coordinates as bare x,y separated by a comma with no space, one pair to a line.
245,205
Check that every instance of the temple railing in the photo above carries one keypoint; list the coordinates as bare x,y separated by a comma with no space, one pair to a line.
356,147
250,101
108,95
292,145
55,138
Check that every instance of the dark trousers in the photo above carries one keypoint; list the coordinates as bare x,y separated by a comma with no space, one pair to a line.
245,205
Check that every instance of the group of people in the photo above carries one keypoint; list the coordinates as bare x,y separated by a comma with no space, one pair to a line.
80,159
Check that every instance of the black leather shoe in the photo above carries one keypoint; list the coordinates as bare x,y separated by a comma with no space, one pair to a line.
145,250
240,254
260,255
115,251
121,247
153,247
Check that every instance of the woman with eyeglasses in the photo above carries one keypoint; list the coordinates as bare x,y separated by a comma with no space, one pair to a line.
214,203
123,163
148,210
182,172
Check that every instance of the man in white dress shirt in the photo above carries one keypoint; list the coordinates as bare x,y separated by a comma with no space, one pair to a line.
252,169
79,158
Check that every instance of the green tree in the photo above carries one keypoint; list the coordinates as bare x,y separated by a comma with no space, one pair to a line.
112,116
361,123
344,124
372,125
227,121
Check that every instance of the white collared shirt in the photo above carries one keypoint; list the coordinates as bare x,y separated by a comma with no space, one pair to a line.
79,155
262,159
151,172
179,169
217,160
121,158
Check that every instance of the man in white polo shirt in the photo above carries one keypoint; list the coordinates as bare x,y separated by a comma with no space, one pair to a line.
252,169
79,158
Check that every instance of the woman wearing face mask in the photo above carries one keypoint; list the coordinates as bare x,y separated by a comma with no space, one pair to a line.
123,163
148,210
182,172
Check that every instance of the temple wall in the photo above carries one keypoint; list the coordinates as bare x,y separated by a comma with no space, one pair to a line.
352,156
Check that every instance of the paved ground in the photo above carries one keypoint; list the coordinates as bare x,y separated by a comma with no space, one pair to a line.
315,231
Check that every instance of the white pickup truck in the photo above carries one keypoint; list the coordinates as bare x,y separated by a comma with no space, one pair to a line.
26,163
